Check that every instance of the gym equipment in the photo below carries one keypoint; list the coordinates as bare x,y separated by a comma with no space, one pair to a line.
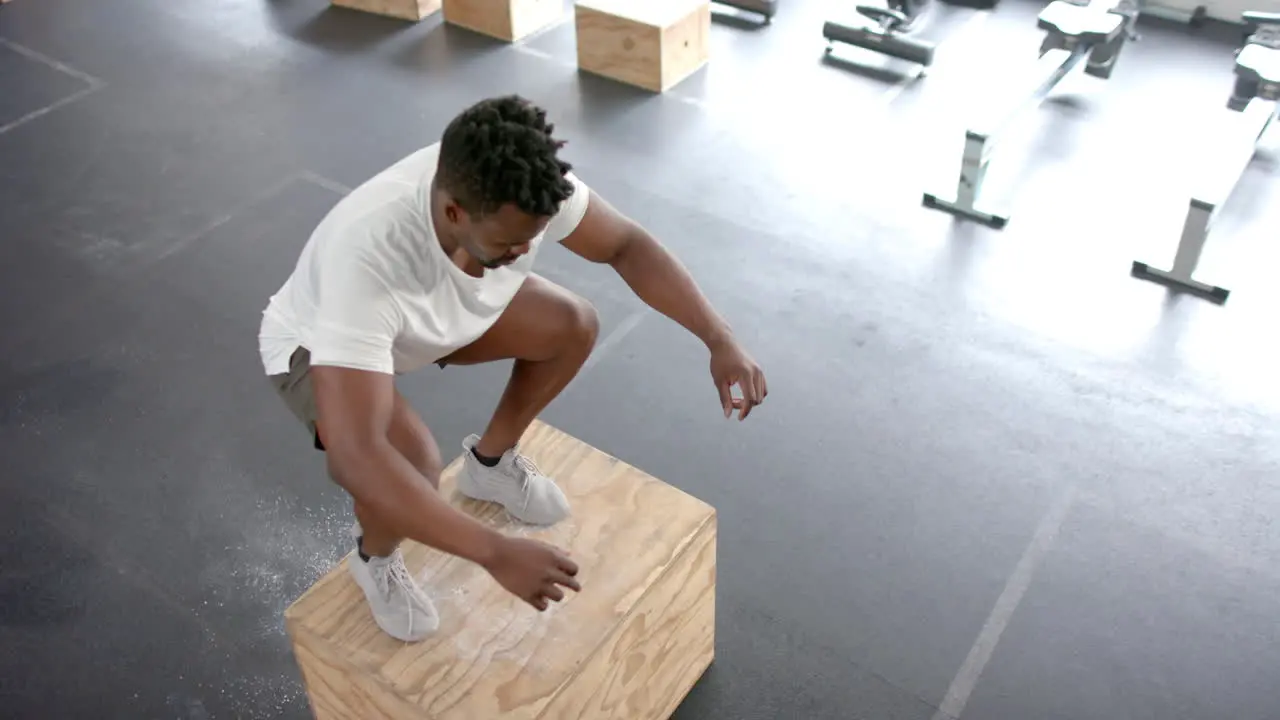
1254,100
764,8
886,31
1076,30
1193,17
974,4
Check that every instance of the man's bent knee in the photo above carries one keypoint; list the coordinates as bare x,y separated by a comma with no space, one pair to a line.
581,324
543,322
569,330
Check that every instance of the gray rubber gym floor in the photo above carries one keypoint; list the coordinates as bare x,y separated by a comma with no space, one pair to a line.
996,476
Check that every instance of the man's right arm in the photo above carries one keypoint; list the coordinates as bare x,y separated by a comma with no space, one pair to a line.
353,385
354,410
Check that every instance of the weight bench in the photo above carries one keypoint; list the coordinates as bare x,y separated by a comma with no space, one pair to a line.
1076,30
1255,97
886,31
1258,62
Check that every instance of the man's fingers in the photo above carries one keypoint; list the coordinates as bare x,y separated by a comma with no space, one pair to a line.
726,397
560,578
568,566
565,580
751,397
754,389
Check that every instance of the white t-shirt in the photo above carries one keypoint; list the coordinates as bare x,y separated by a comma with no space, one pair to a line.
374,290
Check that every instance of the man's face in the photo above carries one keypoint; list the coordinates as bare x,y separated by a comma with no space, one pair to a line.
498,239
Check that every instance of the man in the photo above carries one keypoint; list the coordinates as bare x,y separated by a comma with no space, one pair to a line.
431,261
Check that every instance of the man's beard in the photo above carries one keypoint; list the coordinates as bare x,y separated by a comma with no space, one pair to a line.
498,262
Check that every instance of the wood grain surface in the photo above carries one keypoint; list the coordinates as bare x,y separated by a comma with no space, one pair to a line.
656,14
650,46
509,20
630,645
404,9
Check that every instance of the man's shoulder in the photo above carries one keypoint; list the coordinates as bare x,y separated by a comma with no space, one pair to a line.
387,202
416,168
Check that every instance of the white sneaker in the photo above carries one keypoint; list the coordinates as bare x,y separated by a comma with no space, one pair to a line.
515,483
399,606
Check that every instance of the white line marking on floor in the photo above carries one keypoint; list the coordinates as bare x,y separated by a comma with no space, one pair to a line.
47,109
691,101
543,54
239,209
326,183
967,679
55,64
603,347
92,82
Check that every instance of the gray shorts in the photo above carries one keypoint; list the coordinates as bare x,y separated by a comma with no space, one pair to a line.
294,387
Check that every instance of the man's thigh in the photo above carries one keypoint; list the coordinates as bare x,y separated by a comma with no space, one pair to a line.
541,321
294,388
408,434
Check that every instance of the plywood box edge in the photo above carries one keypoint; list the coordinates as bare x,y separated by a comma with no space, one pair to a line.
331,575
421,9
314,654
677,699
707,526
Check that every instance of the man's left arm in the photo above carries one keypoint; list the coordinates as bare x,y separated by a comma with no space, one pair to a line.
657,277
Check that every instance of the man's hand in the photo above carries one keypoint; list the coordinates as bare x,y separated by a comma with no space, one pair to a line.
533,571
731,365
606,236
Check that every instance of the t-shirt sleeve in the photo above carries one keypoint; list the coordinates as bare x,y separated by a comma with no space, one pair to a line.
571,210
356,320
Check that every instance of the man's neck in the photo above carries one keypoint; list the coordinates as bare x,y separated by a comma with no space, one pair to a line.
455,252
434,214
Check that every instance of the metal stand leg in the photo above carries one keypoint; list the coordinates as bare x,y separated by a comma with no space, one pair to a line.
979,145
973,170
1204,206
1195,230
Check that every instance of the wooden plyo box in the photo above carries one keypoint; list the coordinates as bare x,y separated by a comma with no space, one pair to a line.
629,646
652,44
414,10
508,20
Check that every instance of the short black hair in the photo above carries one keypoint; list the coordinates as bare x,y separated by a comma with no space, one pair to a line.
501,150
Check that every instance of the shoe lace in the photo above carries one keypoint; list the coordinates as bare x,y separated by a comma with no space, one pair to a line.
398,574
528,470
527,466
